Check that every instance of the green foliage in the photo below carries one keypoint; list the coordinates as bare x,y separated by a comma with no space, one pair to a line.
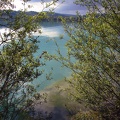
94,45
89,115
18,65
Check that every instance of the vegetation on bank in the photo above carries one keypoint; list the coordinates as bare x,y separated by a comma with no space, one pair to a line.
95,46
18,65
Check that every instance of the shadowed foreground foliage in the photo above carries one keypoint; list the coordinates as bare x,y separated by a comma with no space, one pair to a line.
93,56
18,65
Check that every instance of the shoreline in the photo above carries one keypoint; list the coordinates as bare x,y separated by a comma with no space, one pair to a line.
58,101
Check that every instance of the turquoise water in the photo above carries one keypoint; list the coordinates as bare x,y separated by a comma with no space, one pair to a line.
50,32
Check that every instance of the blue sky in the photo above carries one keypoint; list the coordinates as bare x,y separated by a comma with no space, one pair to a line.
68,7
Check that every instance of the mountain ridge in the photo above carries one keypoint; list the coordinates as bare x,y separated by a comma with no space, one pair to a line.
33,13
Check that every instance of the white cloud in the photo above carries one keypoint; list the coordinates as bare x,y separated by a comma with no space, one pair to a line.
35,6
65,8
49,32
2,31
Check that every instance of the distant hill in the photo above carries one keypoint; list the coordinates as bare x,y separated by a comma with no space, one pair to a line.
4,14
63,15
32,13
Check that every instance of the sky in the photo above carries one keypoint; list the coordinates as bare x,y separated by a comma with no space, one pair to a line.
67,7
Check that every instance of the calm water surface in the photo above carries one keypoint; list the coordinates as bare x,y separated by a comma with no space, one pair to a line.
50,32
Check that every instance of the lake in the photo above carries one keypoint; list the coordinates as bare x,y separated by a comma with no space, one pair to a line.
51,31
